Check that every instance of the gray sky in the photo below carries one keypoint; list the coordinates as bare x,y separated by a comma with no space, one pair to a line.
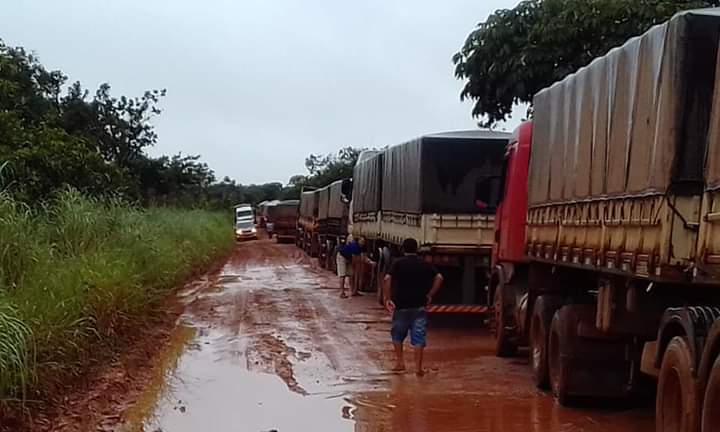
254,86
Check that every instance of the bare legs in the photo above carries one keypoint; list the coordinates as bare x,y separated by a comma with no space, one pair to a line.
342,287
399,360
419,371
418,352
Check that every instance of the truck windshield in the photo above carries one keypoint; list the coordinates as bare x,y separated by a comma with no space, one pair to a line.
488,193
243,214
245,225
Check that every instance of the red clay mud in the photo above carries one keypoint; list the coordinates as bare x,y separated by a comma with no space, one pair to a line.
271,346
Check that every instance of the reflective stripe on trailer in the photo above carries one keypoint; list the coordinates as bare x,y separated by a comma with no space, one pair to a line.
477,309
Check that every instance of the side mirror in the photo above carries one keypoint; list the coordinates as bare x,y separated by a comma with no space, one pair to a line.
346,189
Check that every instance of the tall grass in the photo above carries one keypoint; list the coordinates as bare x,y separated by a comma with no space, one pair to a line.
74,272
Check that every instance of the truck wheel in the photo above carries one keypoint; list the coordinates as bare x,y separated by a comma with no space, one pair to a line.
711,407
557,363
504,327
542,315
676,406
587,364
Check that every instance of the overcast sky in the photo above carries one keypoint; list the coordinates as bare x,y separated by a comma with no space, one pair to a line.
254,86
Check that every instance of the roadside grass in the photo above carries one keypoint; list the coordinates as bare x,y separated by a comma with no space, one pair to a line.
77,272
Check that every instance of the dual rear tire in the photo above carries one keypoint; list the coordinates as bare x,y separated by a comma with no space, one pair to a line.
583,363
679,396
542,315
711,406
676,404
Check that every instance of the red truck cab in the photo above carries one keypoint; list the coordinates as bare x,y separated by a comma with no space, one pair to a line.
510,218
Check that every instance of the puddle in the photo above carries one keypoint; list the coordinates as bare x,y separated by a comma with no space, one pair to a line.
203,390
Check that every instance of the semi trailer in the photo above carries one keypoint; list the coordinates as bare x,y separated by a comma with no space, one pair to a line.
307,224
441,190
281,217
608,248
333,217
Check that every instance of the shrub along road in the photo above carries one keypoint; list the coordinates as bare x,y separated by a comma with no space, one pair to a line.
79,276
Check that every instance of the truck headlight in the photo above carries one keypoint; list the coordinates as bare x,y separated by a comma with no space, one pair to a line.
238,232
254,230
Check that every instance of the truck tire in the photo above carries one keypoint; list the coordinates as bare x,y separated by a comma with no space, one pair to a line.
503,325
711,405
676,405
585,365
558,368
542,315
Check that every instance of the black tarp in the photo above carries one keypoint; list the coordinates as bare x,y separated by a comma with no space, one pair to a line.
287,209
337,208
367,182
633,122
309,204
445,173
323,197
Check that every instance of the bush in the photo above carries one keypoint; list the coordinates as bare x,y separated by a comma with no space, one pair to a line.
77,270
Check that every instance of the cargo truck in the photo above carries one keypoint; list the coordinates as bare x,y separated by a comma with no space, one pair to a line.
282,219
607,261
332,221
367,196
440,189
307,224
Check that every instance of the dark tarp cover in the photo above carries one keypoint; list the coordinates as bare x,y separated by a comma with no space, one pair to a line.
337,208
323,197
632,122
287,209
367,182
444,173
309,204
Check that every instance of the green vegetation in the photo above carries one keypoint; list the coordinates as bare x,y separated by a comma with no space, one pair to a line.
517,52
76,272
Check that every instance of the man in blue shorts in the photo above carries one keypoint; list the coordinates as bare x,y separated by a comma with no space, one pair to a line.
410,286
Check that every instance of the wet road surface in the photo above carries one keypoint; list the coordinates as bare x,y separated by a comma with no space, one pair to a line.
271,347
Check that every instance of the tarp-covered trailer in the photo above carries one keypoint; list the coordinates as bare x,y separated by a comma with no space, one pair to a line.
332,221
308,222
622,254
283,216
442,189
367,195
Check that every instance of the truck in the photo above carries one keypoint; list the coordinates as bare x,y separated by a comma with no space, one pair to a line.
367,195
333,216
440,189
244,222
307,223
282,219
607,257
261,213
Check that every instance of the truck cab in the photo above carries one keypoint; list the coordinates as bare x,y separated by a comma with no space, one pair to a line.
511,212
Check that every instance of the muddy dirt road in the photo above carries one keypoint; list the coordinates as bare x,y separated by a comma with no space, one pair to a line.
270,346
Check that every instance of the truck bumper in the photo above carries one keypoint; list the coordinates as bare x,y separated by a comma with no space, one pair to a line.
464,309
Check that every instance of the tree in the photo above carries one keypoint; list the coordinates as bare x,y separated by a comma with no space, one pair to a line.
329,168
117,128
517,52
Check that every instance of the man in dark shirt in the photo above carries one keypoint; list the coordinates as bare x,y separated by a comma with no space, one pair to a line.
410,286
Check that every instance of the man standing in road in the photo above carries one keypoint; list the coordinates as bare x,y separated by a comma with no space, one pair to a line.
410,286
344,259
383,266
